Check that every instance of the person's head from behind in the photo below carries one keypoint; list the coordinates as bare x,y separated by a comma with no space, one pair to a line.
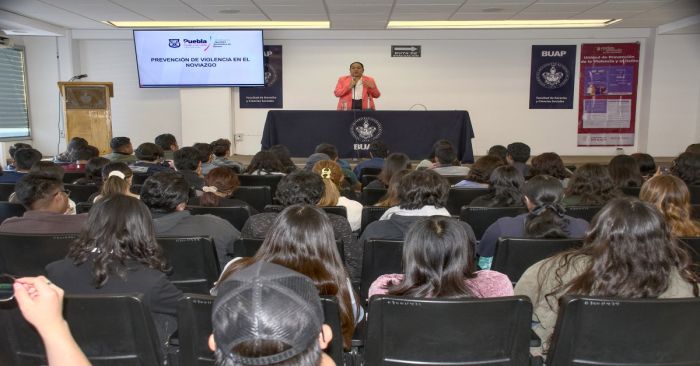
219,183
378,149
438,144
41,192
266,314
188,159
481,170
687,167
166,141
445,155
517,152
543,195
549,163
17,146
25,158
76,143
391,198
284,156
221,148
265,161
423,188
47,169
437,258
116,178
592,182
93,169
624,171
499,151
165,192
693,148
121,145
646,164
395,162
671,196
206,153
300,187
328,149
149,152
333,180
83,155
119,229
506,183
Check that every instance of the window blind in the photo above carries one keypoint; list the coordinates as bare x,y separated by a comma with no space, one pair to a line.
14,120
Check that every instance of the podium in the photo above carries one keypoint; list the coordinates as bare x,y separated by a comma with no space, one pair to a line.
87,112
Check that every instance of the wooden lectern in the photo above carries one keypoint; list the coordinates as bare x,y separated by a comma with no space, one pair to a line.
87,112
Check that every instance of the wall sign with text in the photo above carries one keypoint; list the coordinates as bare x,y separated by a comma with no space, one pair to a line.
552,77
405,51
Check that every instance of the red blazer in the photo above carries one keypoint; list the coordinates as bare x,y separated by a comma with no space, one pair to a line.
344,92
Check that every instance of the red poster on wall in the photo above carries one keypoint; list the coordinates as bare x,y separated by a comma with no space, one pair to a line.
607,98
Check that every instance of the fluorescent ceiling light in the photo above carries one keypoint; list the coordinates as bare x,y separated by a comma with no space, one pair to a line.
216,24
554,23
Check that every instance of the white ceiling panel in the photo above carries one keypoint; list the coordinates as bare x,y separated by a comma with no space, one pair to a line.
418,8
523,15
475,8
195,3
558,8
216,9
419,16
482,16
428,2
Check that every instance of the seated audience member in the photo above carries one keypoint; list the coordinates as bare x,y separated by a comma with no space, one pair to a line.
41,304
499,151
219,186
301,239
590,185
80,159
687,167
117,180
117,253
188,164
122,150
302,187
429,162
149,157
671,197
332,152
517,156
13,149
446,162
505,187
265,163
336,192
646,164
313,159
288,306
166,195
46,202
206,156
693,148
395,162
49,169
24,159
421,193
284,156
75,144
378,151
391,198
446,270
168,144
624,172
628,253
550,163
93,172
480,172
545,219
222,150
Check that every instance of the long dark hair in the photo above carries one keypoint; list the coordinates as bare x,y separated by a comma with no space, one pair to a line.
265,162
592,182
224,180
546,218
283,154
549,163
505,188
119,229
625,172
302,239
393,163
481,171
437,258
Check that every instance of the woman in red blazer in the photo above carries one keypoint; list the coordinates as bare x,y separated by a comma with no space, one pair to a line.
356,91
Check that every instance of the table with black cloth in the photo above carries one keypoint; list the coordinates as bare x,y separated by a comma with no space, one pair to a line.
410,132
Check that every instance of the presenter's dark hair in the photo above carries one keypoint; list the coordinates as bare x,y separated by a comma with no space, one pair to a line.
149,151
519,151
221,147
394,163
205,151
328,149
423,188
300,187
593,184
624,172
549,163
546,219
165,141
25,158
118,142
187,158
359,63
481,171
163,191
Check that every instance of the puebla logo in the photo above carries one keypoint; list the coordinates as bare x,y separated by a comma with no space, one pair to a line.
270,75
174,43
366,129
552,75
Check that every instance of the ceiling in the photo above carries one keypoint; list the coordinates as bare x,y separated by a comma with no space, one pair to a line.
343,14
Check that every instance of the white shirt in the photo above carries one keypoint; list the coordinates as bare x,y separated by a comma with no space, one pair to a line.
357,94
354,210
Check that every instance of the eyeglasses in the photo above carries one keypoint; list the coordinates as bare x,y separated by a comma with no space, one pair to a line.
66,191
7,292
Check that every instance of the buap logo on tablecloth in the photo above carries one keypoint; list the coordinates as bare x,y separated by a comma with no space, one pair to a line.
366,129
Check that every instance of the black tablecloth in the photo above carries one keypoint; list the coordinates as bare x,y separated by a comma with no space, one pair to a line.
410,132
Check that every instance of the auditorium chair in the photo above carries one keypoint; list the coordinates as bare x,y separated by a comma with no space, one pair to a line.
6,189
367,179
480,218
379,257
604,331
459,197
631,191
256,196
193,260
83,207
454,179
693,247
271,180
109,329
695,211
27,254
442,331
582,212
81,192
515,255
237,216
8,210
371,214
247,247
331,313
335,210
139,178
694,194
370,196
70,177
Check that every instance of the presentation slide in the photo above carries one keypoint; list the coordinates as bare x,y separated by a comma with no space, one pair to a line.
181,58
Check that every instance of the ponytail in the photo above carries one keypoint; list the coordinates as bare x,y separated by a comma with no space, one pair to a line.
546,221
115,184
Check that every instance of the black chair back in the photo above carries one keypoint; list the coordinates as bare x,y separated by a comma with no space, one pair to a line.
194,328
195,267
367,179
80,192
695,212
8,210
139,178
379,257
83,207
237,216
336,210
6,190
271,181
459,197
432,332
480,218
331,313
693,246
694,194
583,212
70,177
603,331
370,196
370,171
109,329
371,214
256,196
631,191
454,179
28,254
515,255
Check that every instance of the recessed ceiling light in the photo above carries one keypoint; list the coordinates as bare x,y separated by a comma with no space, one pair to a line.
229,11
488,24
222,24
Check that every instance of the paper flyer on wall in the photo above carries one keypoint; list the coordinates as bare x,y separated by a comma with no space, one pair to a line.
608,94
270,95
